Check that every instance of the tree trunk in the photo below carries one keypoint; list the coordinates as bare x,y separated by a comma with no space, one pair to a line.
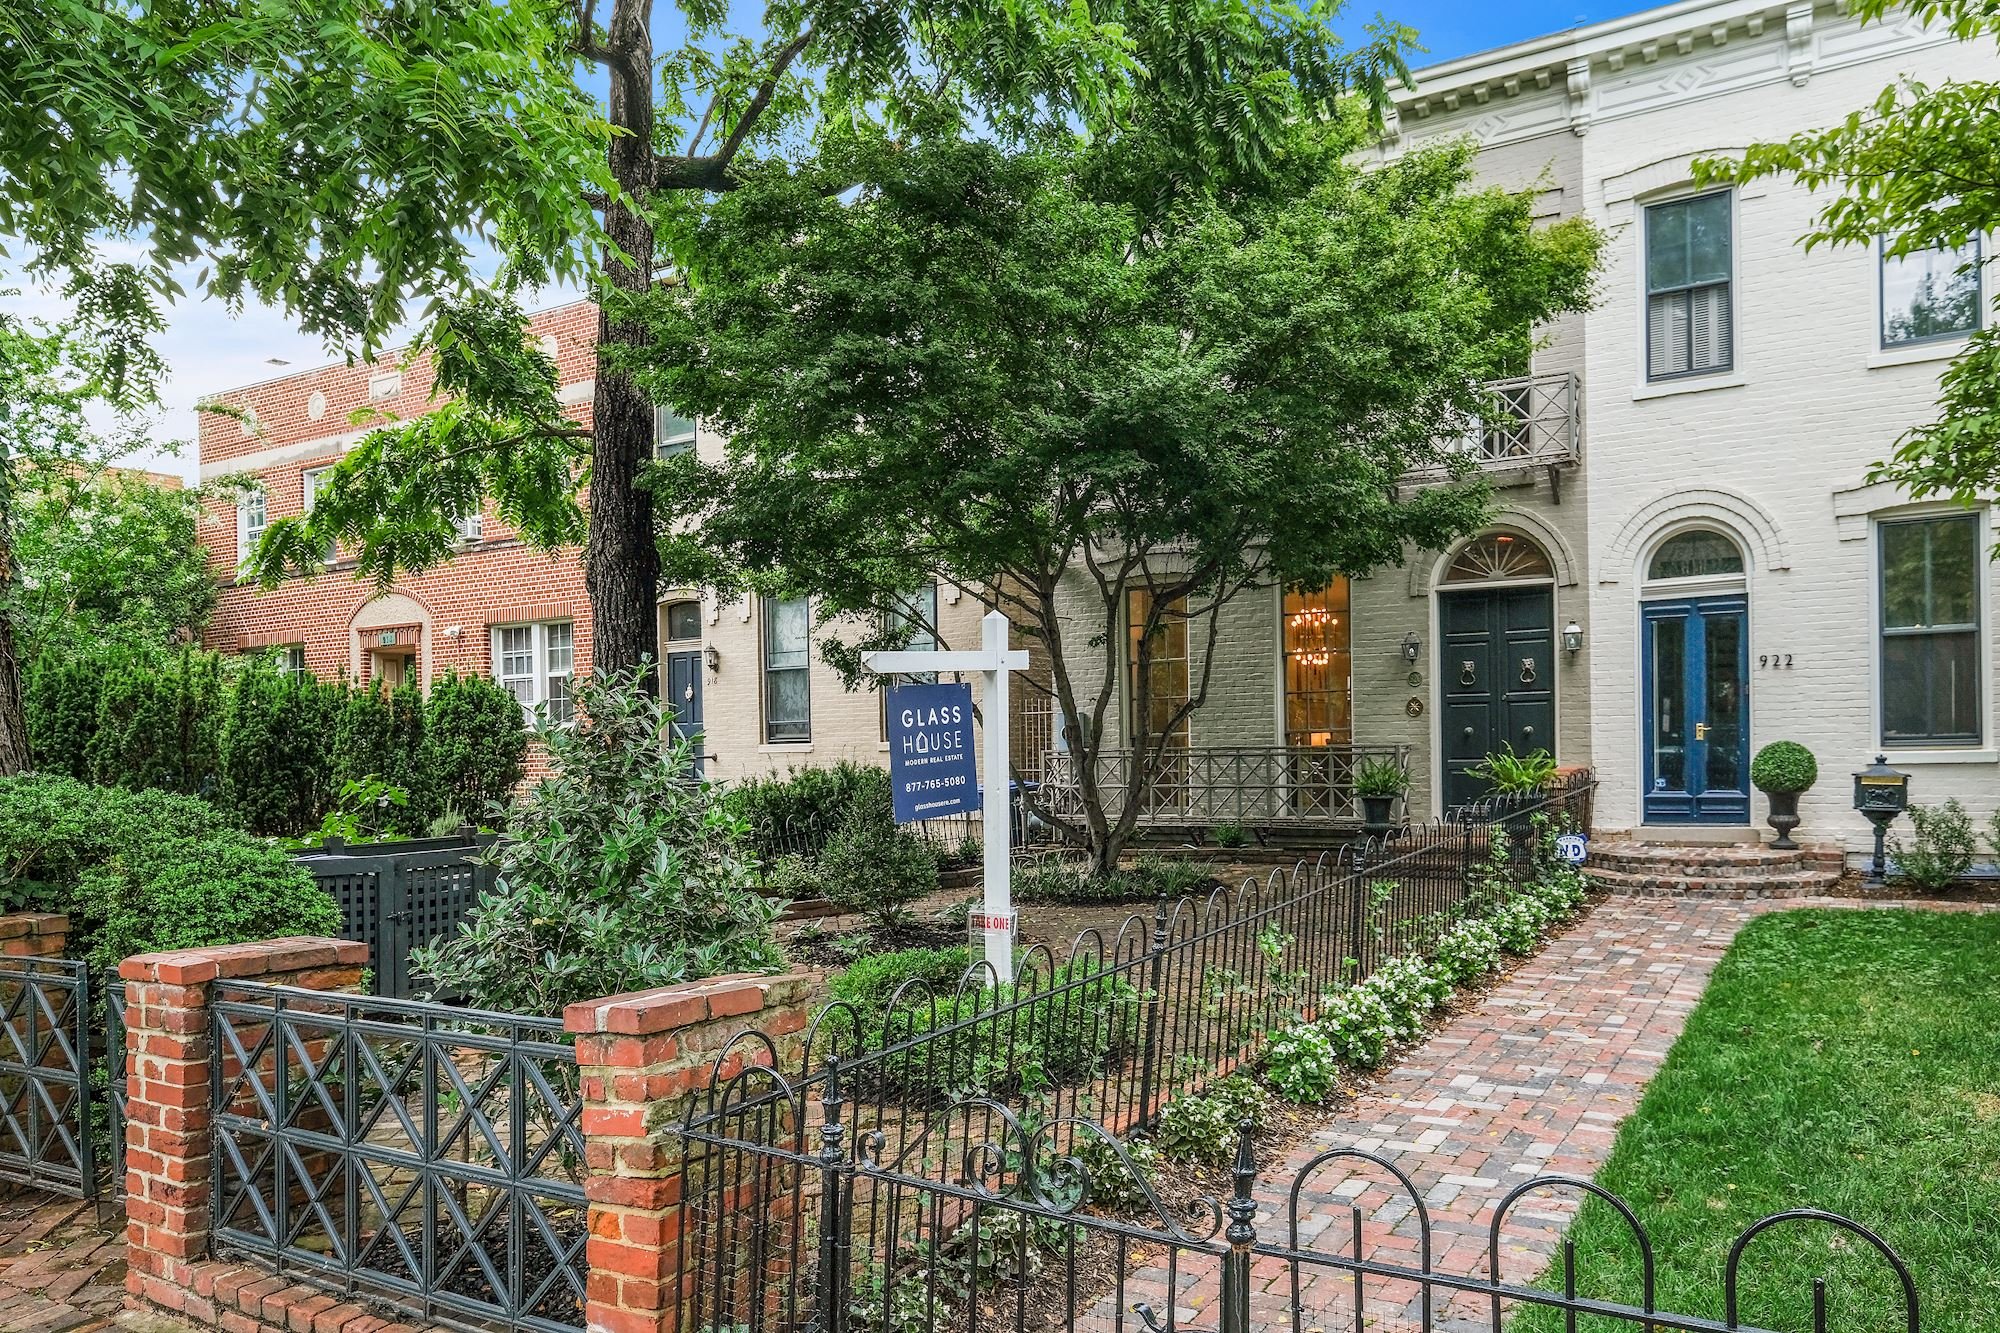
621,560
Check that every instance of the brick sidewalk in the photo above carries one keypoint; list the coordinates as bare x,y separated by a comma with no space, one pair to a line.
60,1268
1534,1080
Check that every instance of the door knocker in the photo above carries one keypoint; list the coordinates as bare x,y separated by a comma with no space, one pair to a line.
1466,674
1527,671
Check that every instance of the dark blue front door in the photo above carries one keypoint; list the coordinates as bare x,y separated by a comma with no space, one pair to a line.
684,697
1697,682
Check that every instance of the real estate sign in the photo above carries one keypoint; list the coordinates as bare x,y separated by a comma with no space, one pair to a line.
931,770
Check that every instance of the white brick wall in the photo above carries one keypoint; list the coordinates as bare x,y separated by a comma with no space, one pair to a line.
1775,452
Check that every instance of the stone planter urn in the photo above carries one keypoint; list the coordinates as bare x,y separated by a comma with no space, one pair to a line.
1783,771
1378,814
1784,817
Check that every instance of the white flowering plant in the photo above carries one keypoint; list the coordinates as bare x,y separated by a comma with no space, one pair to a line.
1300,1063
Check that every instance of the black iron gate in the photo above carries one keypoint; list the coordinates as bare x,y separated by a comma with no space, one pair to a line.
46,1125
396,896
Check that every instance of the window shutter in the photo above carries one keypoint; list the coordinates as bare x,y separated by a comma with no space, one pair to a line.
1709,331
1667,334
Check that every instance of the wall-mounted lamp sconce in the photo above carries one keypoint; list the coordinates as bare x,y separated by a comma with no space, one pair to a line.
1413,647
1572,637
712,656
454,631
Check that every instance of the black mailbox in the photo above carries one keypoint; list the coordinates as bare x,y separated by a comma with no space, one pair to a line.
1880,794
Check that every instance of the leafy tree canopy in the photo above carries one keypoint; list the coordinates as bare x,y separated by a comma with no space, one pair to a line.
330,158
998,368
109,558
1202,88
1917,170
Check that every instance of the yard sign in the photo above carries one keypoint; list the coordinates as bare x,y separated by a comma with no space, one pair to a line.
995,663
931,769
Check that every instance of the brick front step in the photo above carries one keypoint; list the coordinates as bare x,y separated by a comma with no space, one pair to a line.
1667,883
1712,862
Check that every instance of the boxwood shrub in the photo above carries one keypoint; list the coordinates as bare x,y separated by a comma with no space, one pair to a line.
144,870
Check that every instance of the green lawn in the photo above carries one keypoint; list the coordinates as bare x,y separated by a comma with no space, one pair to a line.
1843,1060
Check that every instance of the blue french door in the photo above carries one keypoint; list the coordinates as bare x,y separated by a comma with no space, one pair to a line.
1697,683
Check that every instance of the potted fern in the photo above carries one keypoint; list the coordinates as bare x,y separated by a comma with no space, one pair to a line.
1378,782
1783,771
1516,779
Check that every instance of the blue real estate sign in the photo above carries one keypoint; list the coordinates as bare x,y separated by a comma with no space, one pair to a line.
931,771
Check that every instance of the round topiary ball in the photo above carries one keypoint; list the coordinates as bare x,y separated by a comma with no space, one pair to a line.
1784,766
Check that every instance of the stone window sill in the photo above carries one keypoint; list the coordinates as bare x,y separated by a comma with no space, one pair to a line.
1944,756
1693,384
1918,355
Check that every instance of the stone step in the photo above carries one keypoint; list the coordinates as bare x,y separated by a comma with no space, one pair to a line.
1712,861
1667,884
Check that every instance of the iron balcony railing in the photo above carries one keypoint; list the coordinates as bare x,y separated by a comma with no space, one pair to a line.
1537,423
1249,785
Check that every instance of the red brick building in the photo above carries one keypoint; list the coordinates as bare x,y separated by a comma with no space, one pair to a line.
498,608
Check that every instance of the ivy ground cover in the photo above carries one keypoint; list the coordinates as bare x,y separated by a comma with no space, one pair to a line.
1841,1060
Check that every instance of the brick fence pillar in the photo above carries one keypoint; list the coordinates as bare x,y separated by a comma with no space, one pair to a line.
643,1058
169,1057
33,935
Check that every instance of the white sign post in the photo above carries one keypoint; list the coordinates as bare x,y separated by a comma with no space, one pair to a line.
994,661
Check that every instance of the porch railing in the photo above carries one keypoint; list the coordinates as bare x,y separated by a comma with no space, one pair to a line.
1538,424
1249,785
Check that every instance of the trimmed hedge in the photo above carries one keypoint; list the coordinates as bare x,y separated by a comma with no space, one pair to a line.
275,749
146,870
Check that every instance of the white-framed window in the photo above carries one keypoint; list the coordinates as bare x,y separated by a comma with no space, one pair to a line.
291,659
310,482
470,526
535,664
1690,272
672,434
787,670
1931,590
252,516
1929,295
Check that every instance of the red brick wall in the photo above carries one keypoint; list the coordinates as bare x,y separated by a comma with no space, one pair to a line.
498,580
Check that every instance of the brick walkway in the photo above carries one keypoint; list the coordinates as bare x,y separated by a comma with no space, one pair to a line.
1534,1080
60,1269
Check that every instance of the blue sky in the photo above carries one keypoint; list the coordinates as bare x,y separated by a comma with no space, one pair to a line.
1451,28
208,349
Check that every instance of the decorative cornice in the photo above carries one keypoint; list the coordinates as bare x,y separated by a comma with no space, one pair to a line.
1672,55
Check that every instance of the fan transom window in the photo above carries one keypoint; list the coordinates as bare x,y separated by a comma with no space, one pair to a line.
1497,556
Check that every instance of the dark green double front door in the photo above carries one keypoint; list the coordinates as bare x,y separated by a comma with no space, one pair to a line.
1496,669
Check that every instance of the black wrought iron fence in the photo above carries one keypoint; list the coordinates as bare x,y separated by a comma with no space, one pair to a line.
802,1219
424,1155
114,1085
1126,1020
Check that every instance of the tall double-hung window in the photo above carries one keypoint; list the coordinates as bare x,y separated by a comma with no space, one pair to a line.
1690,318
787,670
1930,630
